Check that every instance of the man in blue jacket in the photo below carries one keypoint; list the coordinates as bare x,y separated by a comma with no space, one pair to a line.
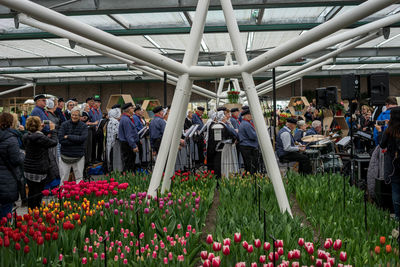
248,142
156,128
38,110
235,118
390,103
198,139
128,137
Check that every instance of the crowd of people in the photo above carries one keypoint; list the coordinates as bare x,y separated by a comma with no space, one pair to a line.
57,137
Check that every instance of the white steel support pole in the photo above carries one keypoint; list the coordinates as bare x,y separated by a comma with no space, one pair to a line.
54,18
17,89
255,108
222,80
173,129
107,51
313,62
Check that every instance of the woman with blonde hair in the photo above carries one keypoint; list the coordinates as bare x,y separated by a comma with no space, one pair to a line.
37,162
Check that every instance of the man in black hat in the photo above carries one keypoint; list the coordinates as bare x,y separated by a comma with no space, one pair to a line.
243,108
59,110
287,150
235,118
196,119
156,128
248,142
38,110
99,138
140,123
128,137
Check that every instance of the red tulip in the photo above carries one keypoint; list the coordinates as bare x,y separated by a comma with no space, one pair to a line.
207,263
237,237
267,246
44,261
343,256
209,239
250,249
318,263
26,249
271,256
290,255
55,236
263,258
327,264
257,243
253,264
227,242
216,262
47,236
46,192
327,244
40,240
240,264
245,244
310,249
17,246
321,254
295,264
211,256
226,250
204,254
279,243
331,260
301,242
280,251
217,246
337,245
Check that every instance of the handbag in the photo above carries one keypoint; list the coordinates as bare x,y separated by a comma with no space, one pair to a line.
69,160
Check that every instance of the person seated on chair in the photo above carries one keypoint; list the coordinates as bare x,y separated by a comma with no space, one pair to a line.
300,131
287,150
316,128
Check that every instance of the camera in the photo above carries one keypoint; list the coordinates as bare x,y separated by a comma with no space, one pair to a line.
46,122
381,123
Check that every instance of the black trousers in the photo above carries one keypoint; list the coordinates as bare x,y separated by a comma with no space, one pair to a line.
99,145
35,193
128,157
250,158
302,159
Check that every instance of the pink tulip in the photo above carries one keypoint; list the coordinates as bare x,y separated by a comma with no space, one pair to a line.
154,254
327,264
95,256
211,256
250,249
204,254
253,264
343,256
280,251
245,244
290,255
125,261
296,254
257,243
165,260
84,260
102,256
271,256
180,258
240,264
227,242
263,259
318,263
327,244
179,226
170,256
209,239
267,246
226,250
331,261
60,257
301,242
207,263
337,245
279,243
295,264
237,237
216,262
217,246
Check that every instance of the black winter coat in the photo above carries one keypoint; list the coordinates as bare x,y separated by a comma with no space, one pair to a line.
37,151
74,144
9,150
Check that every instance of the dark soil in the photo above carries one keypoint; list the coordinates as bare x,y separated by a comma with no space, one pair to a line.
211,218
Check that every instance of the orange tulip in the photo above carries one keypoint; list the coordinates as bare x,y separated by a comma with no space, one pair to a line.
388,248
382,240
377,249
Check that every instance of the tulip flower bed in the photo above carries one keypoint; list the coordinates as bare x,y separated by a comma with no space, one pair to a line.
321,198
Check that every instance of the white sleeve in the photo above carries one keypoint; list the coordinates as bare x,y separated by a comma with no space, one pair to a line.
285,136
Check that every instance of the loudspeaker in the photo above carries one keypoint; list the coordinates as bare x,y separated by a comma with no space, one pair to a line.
320,97
350,86
331,95
378,88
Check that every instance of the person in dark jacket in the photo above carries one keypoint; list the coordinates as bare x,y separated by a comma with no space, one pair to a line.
248,142
128,135
59,110
72,136
390,140
10,160
37,162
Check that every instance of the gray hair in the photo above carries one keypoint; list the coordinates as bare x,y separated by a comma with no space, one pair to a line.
77,109
300,123
316,123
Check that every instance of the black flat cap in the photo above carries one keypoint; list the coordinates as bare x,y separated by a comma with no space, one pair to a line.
200,108
61,99
88,99
97,99
138,107
245,112
157,109
73,99
116,106
127,105
245,107
234,110
291,120
37,97
222,108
